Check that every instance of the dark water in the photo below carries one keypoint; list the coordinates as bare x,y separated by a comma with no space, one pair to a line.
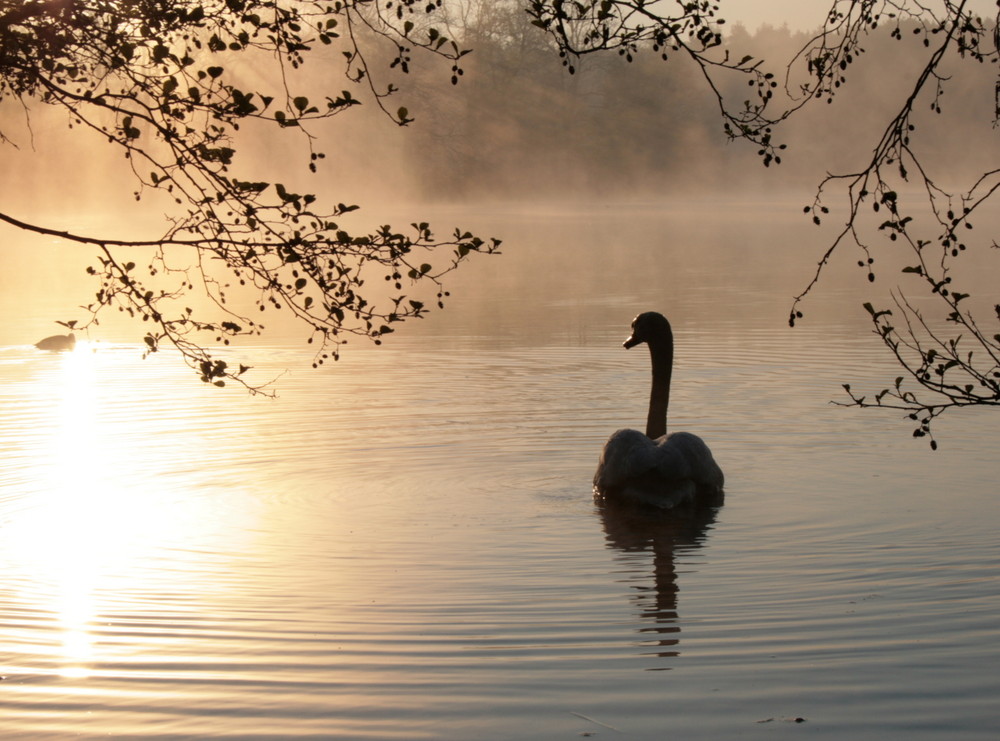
405,545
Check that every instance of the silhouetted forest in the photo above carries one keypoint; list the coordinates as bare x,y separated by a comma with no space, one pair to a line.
519,125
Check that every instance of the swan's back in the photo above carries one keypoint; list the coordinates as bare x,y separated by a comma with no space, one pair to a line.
668,472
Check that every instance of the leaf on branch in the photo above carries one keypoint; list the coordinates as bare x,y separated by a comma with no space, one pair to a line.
250,187
876,314
128,129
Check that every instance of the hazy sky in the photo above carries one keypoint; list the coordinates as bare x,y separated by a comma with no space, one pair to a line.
798,14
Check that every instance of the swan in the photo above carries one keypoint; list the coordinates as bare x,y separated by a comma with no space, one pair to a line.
57,343
656,468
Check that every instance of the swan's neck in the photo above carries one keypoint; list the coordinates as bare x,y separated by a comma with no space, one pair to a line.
662,354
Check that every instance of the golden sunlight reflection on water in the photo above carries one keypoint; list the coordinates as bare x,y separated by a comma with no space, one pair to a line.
404,544
98,509
405,547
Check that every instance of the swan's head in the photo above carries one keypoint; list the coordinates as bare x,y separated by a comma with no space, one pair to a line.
648,327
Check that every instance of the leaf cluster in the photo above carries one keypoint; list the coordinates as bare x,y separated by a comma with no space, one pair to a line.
952,367
951,360
159,79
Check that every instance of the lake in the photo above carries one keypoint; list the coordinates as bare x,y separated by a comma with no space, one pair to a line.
404,544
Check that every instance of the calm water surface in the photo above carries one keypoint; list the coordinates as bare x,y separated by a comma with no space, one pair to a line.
405,545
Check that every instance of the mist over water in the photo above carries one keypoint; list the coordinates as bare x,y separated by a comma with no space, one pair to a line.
404,544
518,127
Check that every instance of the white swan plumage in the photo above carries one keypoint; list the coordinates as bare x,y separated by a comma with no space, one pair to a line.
57,343
657,468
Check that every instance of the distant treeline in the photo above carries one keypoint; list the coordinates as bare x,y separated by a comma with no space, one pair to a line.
519,124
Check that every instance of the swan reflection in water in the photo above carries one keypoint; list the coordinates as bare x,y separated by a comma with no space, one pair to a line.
632,529
657,492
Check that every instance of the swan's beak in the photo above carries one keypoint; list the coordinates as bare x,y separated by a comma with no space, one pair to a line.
630,342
